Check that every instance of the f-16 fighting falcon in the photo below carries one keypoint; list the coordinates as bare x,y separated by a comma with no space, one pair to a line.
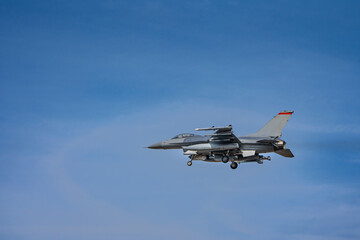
224,146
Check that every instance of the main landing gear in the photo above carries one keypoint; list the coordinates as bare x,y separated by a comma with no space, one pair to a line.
225,159
233,165
189,163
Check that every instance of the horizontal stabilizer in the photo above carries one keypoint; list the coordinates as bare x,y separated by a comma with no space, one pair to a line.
267,141
285,153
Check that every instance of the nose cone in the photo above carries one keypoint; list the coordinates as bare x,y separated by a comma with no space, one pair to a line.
158,145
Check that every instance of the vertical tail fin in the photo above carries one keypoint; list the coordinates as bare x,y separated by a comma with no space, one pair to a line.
274,127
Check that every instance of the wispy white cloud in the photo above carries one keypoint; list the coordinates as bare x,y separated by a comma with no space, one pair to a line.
328,128
110,186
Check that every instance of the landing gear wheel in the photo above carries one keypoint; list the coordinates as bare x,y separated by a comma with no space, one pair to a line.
189,163
233,165
225,159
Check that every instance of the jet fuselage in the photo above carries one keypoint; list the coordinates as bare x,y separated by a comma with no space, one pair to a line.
180,143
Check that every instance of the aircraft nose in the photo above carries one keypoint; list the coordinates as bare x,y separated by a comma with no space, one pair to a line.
156,145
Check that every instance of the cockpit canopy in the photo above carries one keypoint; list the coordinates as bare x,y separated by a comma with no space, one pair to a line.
183,135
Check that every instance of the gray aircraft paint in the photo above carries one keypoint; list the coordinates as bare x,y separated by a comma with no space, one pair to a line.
224,146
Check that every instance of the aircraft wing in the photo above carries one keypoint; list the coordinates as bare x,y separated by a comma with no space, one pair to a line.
285,153
267,140
222,134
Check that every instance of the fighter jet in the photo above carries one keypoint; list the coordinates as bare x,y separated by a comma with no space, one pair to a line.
224,146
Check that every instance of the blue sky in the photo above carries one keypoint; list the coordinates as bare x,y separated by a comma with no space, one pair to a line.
85,85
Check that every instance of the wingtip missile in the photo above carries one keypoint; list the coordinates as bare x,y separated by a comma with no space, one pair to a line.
213,128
